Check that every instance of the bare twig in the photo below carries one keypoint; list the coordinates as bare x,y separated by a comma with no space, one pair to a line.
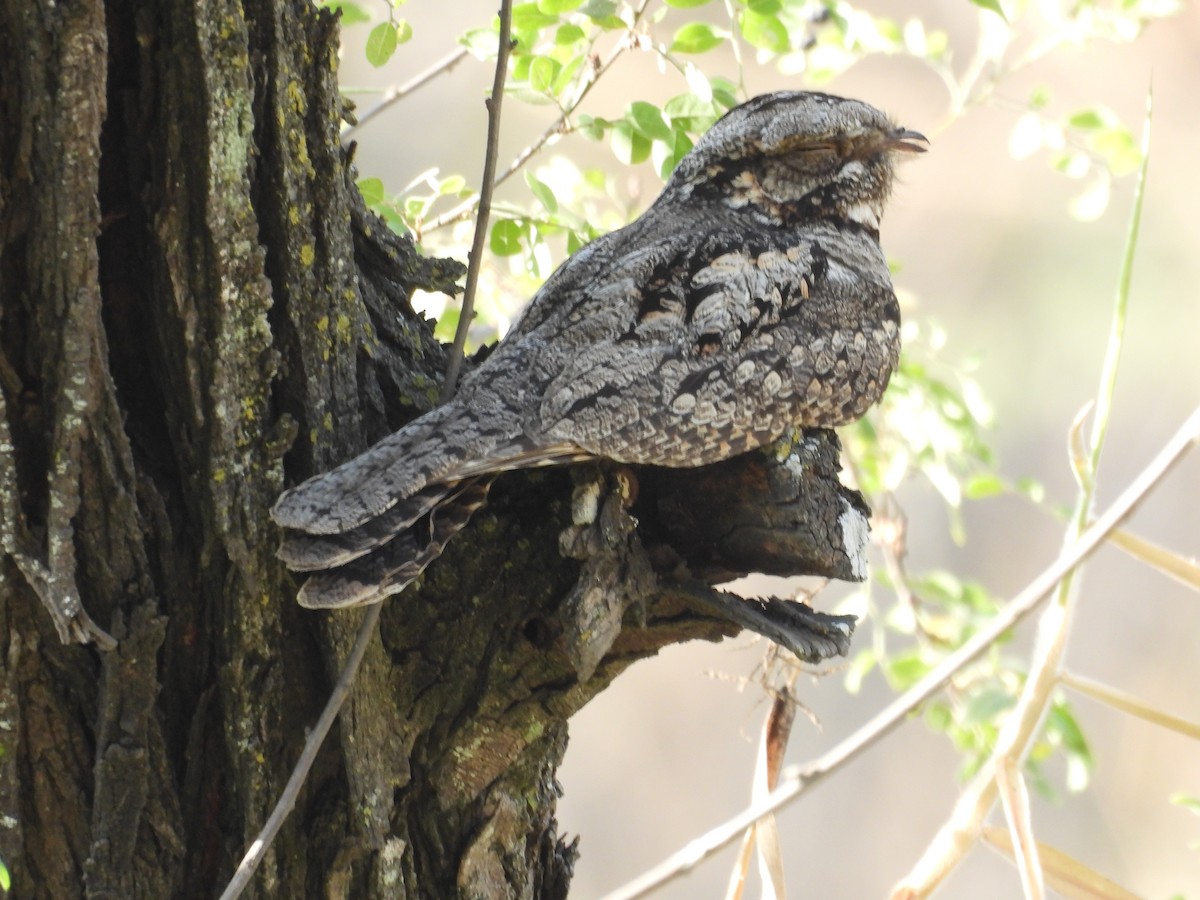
312,744
398,92
561,125
454,366
1127,703
796,779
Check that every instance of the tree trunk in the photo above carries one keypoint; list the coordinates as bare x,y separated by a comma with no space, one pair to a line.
195,309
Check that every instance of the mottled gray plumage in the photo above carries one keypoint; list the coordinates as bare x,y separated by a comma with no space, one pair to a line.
751,297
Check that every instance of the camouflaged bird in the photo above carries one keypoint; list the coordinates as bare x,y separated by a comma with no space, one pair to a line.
750,298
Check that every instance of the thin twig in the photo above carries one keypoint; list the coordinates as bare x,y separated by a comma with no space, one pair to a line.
1130,705
474,261
796,779
398,92
312,744
561,125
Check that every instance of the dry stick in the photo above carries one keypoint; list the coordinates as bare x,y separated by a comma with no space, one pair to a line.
316,737
485,206
797,778
396,93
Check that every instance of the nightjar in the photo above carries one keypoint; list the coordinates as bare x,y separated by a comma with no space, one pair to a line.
751,297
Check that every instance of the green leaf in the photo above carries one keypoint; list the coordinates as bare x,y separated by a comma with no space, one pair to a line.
566,75
858,670
724,92
1185,800
592,127
991,6
481,42
668,153
905,669
600,9
352,13
505,239
1062,721
568,34
403,31
1088,119
763,7
542,192
764,32
542,72
381,44
985,706
695,37
454,184
689,112
982,485
630,146
557,7
603,13
648,120
5,878
528,17
371,190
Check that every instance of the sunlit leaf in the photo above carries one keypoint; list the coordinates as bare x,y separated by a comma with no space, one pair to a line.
1087,119
991,6
568,34
986,706
542,72
528,17
648,120
982,485
381,44
371,190
505,239
542,192
629,145
695,37
1187,801
352,13
764,31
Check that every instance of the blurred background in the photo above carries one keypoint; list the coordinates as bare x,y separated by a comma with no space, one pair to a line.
985,246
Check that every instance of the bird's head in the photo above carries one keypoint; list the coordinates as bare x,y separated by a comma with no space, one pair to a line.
798,155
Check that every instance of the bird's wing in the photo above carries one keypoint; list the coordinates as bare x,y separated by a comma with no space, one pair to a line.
730,340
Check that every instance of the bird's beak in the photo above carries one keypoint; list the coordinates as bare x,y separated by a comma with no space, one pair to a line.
901,139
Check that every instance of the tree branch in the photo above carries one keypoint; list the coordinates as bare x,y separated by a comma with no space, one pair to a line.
398,92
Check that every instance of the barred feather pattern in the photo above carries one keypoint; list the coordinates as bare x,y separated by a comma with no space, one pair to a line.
750,298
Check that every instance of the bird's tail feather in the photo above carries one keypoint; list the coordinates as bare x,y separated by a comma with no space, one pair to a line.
302,551
369,485
392,566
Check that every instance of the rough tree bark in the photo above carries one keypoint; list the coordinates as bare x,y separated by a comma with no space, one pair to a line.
194,309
